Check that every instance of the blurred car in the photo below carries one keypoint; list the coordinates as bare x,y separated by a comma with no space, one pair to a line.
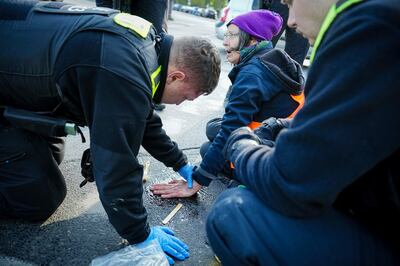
234,8
177,7
198,11
187,9
193,9
209,13
183,8
222,18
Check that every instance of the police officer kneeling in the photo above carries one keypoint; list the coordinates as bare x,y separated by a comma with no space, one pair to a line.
103,69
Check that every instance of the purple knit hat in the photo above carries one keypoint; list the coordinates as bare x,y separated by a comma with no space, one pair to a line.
261,24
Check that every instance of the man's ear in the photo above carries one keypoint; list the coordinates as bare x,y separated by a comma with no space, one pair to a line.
175,75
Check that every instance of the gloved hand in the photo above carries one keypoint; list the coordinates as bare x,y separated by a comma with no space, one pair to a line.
270,128
239,139
170,244
186,172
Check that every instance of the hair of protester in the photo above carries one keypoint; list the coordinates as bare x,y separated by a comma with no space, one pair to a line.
244,39
200,59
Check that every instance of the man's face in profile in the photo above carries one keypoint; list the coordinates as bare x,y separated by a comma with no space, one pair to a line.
306,16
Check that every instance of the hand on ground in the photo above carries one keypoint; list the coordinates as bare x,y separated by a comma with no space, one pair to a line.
175,189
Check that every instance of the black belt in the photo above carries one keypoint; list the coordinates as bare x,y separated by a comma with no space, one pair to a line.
39,124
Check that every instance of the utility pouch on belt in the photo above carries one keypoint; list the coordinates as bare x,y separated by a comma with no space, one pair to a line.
49,127
39,124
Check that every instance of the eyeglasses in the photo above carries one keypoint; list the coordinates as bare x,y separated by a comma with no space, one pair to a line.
230,36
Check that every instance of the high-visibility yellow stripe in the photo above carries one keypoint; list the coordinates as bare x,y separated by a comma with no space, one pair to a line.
153,77
134,23
330,17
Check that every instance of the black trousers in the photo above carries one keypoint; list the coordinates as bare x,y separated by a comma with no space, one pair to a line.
151,10
31,184
295,45
212,128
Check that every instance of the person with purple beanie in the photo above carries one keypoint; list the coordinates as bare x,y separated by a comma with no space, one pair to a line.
328,191
266,83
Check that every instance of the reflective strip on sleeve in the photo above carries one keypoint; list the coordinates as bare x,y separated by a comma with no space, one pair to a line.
155,80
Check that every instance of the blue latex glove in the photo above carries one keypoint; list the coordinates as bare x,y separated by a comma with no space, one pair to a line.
170,244
186,172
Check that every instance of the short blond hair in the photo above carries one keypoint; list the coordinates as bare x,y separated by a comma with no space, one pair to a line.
200,59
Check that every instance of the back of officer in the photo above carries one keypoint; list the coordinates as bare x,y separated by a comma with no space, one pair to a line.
102,69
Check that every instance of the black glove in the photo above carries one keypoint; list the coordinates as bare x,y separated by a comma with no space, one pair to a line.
87,170
270,129
239,139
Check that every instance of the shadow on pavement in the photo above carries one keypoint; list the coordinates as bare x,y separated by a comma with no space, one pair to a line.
79,231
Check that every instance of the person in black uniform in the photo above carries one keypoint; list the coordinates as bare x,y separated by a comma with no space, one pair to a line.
103,69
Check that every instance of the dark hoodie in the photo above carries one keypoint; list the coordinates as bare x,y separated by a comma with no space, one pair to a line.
343,147
263,85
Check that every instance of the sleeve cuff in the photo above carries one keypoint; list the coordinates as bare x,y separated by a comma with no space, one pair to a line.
140,238
202,180
182,162
203,177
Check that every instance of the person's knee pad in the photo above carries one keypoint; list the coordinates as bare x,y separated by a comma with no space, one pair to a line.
204,148
213,127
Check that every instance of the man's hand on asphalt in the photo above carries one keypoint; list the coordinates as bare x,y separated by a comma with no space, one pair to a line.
171,245
175,189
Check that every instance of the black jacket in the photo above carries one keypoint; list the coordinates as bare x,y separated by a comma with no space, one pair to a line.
81,65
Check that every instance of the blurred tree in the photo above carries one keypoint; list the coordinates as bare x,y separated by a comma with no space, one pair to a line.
216,4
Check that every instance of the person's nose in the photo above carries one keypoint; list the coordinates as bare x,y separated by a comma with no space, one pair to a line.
291,19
